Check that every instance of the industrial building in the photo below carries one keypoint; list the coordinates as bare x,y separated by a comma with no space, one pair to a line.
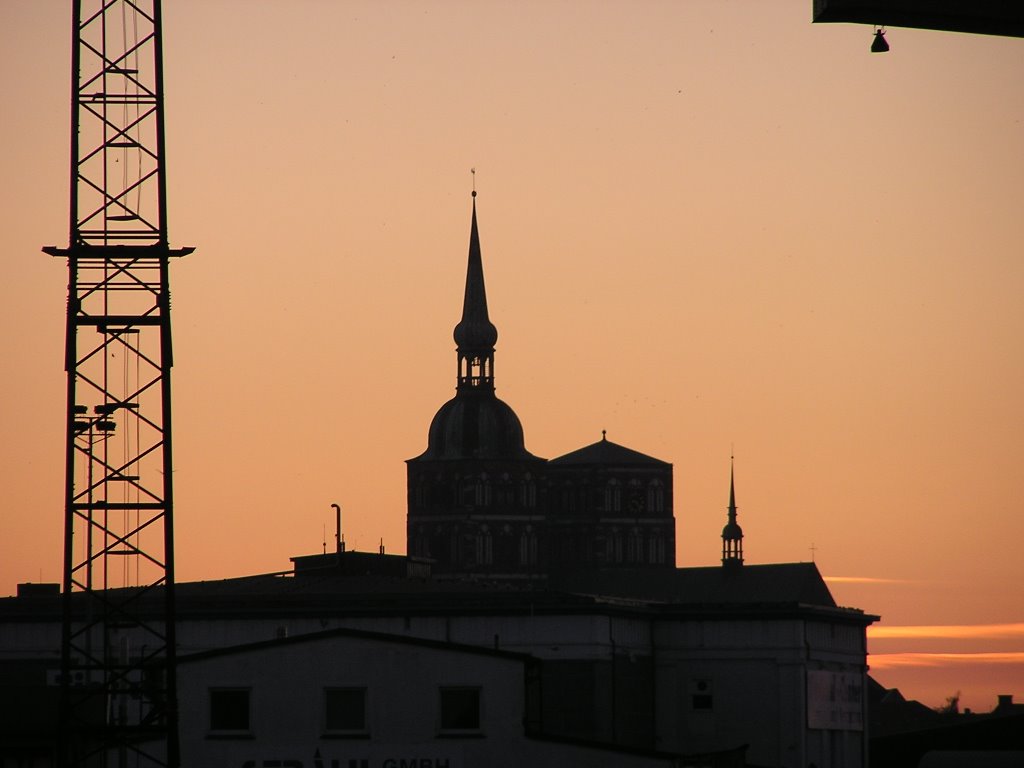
367,657
539,618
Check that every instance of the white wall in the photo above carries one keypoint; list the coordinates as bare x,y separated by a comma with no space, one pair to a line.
402,680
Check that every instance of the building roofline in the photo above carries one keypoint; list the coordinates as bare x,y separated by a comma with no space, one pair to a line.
358,634
289,606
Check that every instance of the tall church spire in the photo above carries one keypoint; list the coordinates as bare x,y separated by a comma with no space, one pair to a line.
732,534
475,335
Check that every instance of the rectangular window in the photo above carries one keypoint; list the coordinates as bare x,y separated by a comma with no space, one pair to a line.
702,696
345,711
229,710
460,710
702,701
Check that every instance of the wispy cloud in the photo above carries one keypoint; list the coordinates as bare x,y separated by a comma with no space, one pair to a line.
863,580
949,631
892,660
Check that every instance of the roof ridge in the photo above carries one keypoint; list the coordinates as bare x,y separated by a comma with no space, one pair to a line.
605,451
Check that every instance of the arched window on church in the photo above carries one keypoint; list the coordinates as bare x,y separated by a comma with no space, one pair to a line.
471,492
634,546
468,546
484,546
529,491
528,546
505,491
656,549
615,546
656,497
612,496
484,496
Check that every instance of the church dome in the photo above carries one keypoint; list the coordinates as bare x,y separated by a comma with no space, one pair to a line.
475,426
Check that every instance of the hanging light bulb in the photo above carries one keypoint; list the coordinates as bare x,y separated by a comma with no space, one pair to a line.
879,44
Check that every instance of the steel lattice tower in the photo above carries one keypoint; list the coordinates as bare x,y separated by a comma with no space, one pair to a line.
118,697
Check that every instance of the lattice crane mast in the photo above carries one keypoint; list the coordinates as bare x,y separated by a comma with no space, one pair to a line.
118,692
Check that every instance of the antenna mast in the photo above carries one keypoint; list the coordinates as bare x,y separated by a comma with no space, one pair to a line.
118,689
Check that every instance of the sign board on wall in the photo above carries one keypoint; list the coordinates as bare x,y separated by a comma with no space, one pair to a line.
366,756
835,700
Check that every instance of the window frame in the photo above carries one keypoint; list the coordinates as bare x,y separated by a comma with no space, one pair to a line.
356,733
221,732
455,731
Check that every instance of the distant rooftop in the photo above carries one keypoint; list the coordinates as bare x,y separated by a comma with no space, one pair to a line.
785,583
369,583
605,452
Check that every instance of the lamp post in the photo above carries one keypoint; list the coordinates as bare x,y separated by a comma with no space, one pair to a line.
92,429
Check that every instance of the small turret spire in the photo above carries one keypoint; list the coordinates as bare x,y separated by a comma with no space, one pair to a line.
475,334
732,534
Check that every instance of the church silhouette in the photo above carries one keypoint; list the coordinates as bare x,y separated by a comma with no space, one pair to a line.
481,504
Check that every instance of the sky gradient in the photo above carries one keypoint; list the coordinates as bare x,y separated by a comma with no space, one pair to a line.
707,227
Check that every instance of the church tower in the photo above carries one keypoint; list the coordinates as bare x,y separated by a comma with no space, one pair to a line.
473,502
732,534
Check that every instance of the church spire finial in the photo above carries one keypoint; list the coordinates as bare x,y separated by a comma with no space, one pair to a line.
732,534
475,335
732,489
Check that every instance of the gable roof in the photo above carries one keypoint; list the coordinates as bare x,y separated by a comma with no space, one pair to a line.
356,634
605,452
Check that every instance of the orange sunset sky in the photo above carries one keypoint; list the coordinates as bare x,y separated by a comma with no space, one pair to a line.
707,226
